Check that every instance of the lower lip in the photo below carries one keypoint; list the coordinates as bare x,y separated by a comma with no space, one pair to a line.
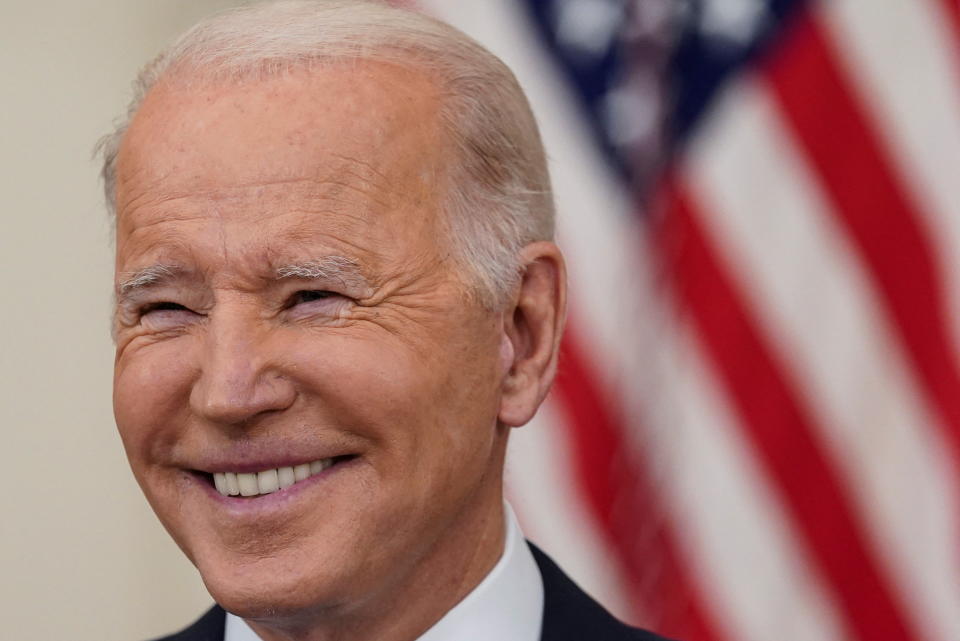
275,501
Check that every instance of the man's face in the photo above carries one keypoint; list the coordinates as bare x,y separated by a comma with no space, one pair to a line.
286,298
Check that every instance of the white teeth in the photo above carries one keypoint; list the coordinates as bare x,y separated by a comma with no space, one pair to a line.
301,472
267,481
248,484
286,477
233,487
220,480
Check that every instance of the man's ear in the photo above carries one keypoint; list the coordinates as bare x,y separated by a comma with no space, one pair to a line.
532,326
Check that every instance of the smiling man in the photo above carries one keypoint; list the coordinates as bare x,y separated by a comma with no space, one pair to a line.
337,292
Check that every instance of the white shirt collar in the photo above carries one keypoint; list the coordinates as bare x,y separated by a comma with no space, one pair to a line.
506,606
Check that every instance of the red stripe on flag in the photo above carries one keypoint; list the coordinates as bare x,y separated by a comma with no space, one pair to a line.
776,423
951,12
873,207
622,499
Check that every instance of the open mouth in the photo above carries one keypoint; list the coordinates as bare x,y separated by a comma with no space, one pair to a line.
253,484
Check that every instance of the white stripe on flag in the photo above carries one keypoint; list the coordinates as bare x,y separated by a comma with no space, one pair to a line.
903,62
731,527
813,299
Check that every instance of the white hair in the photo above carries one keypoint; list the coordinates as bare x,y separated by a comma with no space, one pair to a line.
499,197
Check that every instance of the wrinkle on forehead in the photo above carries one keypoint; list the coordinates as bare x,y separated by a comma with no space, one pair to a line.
358,197
370,118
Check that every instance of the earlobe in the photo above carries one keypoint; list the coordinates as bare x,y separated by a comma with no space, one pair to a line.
532,326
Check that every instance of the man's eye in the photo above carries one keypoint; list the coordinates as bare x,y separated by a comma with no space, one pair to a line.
319,304
309,296
165,315
162,306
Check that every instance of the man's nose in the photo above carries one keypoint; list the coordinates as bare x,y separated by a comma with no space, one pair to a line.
240,376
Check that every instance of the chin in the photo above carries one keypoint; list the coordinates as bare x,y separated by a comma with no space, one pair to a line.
271,588
282,554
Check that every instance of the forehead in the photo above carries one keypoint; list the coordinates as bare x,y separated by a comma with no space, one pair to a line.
350,148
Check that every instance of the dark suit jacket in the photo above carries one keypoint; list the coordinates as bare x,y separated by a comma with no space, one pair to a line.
568,614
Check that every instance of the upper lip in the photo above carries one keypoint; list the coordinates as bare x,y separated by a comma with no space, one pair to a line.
248,465
207,453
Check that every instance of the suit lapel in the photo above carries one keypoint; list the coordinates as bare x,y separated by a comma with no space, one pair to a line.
569,614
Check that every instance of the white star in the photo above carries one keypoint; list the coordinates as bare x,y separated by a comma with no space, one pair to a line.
631,110
733,21
587,27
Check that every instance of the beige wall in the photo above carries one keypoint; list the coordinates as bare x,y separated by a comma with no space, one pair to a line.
81,556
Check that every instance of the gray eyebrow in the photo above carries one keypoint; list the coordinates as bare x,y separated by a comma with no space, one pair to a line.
141,278
341,269
344,270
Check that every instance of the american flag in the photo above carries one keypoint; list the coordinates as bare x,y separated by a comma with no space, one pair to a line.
755,434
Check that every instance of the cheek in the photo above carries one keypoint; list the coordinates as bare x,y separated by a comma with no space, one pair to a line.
414,400
150,387
363,385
